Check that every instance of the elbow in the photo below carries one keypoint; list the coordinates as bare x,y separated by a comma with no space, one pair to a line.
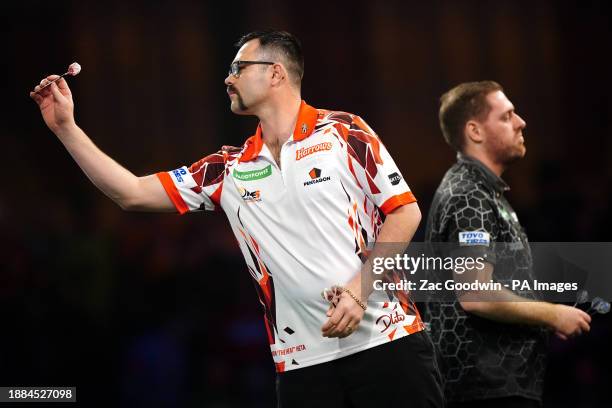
418,216
125,207
467,305
126,204
474,306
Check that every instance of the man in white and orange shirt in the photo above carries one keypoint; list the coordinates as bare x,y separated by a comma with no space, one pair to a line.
310,197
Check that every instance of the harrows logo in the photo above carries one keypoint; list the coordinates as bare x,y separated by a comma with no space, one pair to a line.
307,151
315,177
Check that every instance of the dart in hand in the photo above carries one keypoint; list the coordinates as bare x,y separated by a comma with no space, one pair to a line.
73,70
581,297
598,305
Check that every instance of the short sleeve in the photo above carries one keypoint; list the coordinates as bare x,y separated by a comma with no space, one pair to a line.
374,169
197,187
471,226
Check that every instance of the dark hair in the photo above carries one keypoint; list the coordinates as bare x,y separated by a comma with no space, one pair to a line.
286,44
464,102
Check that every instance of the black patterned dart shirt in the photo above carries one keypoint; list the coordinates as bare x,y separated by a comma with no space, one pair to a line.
481,358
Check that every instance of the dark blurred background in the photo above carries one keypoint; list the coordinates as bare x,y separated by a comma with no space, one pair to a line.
158,310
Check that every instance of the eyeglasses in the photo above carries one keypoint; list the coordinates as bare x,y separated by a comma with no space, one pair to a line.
236,66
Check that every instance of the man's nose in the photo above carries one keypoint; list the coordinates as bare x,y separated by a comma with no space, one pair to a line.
521,123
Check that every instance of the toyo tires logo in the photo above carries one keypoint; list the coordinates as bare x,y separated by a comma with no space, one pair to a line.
474,238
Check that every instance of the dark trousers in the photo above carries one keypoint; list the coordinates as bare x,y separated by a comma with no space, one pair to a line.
400,373
505,402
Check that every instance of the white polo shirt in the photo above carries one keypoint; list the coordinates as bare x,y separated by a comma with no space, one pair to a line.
304,226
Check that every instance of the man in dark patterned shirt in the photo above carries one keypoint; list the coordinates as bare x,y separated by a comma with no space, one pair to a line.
492,344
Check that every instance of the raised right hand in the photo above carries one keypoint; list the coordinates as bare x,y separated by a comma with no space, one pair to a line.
570,321
55,103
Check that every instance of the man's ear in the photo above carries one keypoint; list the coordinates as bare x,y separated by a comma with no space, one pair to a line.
278,74
473,131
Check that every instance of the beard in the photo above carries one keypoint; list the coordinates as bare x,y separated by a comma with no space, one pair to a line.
241,105
239,101
511,154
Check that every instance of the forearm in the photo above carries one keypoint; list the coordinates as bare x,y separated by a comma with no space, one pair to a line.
395,235
507,307
110,177
123,187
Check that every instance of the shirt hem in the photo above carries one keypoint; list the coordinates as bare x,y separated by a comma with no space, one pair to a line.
530,396
397,201
345,352
172,192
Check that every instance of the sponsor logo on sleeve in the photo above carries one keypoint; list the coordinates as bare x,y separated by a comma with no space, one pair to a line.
253,174
395,178
467,238
307,151
179,173
315,177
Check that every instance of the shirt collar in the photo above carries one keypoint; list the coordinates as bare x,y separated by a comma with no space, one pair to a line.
491,178
304,126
